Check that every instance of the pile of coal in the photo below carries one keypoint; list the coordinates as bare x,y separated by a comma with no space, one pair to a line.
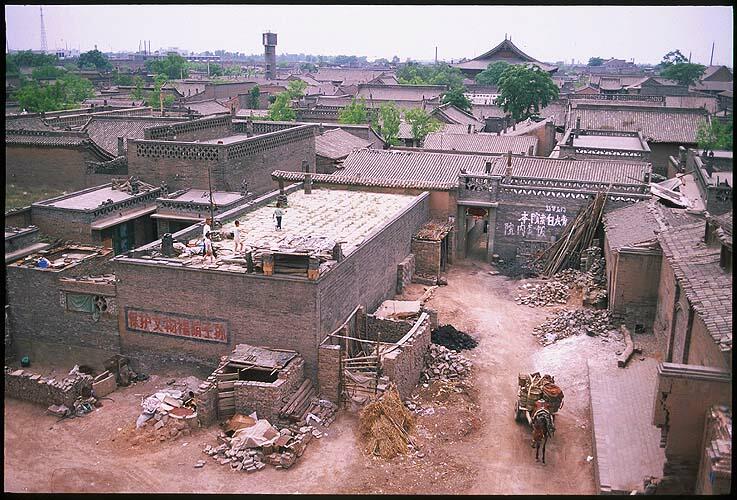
448,336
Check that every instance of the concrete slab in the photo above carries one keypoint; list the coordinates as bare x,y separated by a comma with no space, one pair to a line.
626,444
397,309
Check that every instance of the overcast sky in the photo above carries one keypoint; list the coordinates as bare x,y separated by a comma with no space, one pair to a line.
545,33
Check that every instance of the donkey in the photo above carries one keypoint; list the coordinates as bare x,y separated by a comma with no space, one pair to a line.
542,429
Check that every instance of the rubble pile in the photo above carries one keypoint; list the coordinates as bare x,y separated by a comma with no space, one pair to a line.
576,322
557,289
169,413
249,444
448,336
385,425
544,294
444,364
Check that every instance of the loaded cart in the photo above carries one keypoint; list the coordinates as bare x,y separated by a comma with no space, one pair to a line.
536,392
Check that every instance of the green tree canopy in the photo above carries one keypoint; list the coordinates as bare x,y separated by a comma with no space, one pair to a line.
457,99
296,89
28,59
216,70
157,98
94,59
684,73
122,78
308,67
47,72
173,66
490,76
389,120
421,123
137,92
67,92
596,61
715,135
673,57
523,91
281,110
440,74
253,97
355,112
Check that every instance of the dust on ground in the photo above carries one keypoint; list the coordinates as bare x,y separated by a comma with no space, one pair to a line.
467,438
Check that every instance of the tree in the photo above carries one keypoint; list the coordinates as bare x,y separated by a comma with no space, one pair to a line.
673,57
308,67
94,59
490,76
389,120
157,98
216,70
421,123
65,93
173,66
457,99
296,89
596,61
122,78
138,90
684,73
440,74
47,72
355,112
253,97
523,91
29,59
281,110
715,135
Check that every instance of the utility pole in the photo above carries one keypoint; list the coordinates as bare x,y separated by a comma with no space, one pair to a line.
711,59
436,55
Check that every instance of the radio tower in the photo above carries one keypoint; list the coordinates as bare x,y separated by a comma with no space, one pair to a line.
43,32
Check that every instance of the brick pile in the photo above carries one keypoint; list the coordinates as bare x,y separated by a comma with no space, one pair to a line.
557,289
47,391
282,449
576,322
444,365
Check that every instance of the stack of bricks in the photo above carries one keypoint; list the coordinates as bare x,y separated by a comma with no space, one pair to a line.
404,365
405,271
267,398
206,399
47,391
328,371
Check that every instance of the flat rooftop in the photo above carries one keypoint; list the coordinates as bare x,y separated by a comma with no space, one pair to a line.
88,200
227,140
609,142
203,196
325,214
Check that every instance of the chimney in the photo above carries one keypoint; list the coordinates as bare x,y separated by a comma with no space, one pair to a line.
321,129
249,127
530,150
709,164
681,156
488,167
305,166
508,170
469,128
308,183
281,186
578,126
121,147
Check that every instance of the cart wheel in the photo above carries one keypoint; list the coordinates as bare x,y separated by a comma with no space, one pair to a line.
518,416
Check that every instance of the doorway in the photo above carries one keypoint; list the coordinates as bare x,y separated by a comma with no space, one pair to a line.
477,232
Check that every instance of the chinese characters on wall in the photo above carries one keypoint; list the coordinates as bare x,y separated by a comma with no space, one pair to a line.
537,224
177,326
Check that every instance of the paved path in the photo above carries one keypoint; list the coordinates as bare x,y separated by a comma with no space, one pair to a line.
626,444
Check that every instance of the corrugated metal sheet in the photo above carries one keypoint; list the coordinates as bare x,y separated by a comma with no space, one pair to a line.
481,143
658,124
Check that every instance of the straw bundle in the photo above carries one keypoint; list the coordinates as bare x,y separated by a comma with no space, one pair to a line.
385,425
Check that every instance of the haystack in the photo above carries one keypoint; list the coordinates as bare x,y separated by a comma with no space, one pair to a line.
385,425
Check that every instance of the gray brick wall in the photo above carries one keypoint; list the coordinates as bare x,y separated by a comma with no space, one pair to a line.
46,391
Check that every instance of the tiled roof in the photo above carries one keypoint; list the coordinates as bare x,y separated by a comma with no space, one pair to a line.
210,107
457,128
527,126
586,170
712,86
47,138
480,143
658,124
639,224
337,143
346,76
456,115
481,111
710,103
20,122
711,70
708,287
104,131
556,109
623,80
400,92
187,89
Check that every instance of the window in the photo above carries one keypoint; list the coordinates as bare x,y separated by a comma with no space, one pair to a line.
79,302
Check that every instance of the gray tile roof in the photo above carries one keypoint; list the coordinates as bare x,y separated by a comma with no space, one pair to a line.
21,122
337,143
400,92
639,224
209,107
456,115
480,143
47,138
104,131
707,286
347,76
658,124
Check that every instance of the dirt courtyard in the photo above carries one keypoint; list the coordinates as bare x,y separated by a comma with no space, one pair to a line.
468,442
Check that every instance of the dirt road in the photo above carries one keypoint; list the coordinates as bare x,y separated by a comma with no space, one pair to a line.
469,444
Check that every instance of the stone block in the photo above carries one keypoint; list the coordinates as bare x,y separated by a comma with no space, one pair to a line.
104,386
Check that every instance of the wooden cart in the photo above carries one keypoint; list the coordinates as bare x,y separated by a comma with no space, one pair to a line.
531,388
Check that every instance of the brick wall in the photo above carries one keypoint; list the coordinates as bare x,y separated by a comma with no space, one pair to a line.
405,272
50,167
206,399
65,224
666,302
404,364
44,329
635,287
368,276
271,311
20,240
20,217
659,153
266,399
427,257
385,330
328,371
46,391
703,350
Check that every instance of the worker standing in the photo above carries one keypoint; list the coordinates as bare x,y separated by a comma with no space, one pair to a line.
278,214
237,237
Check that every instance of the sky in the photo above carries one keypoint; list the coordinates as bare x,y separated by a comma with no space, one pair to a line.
549,34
